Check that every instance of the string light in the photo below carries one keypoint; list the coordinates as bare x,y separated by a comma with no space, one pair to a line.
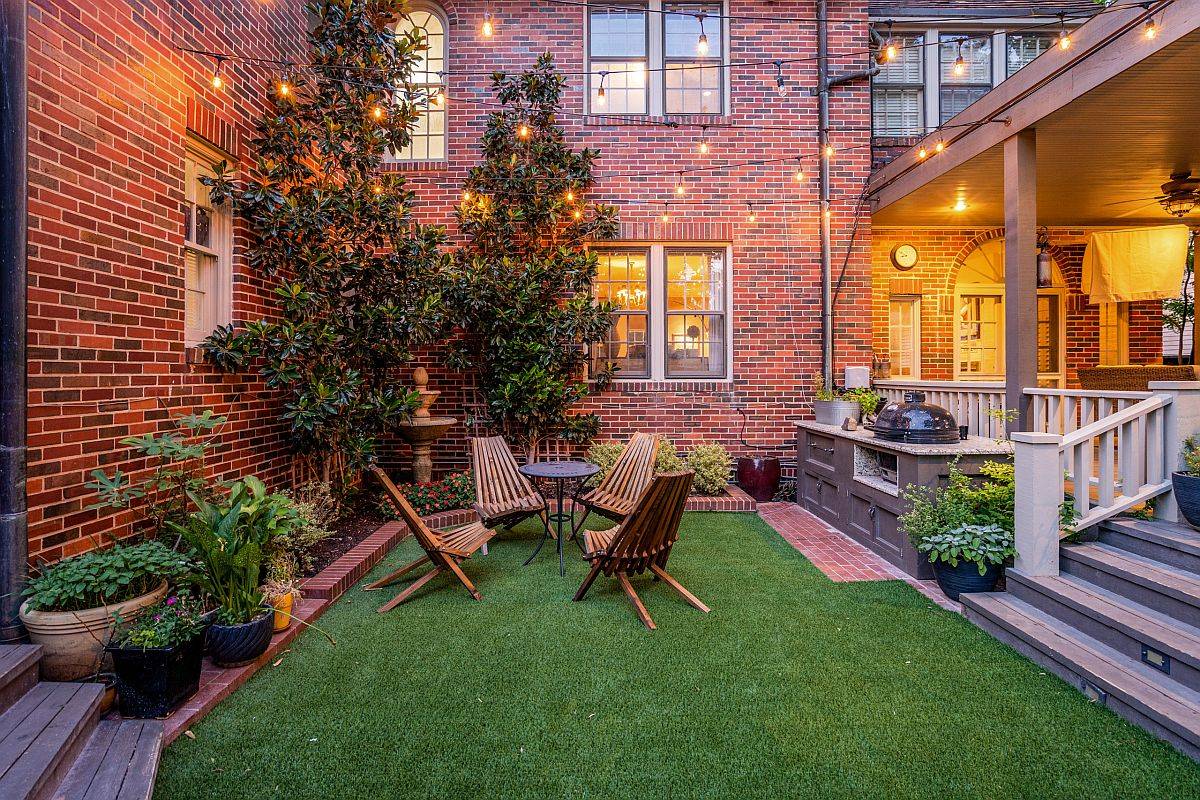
829,151
377,112
1151,29
666,213
751,217
939,147
960,65
523,131
922,154
703,146
680,188
889,47
283,88
1064,38
376,188
488,28
217,81
437,98
577,214
798,175
466,196
781,87
600,100
570,196
702,42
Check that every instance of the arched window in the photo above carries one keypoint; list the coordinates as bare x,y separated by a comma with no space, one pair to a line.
429,136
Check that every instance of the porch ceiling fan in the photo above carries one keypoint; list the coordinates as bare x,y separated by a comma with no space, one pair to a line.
1179,196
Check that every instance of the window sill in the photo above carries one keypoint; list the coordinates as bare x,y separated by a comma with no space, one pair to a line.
639,120
648,386
415,166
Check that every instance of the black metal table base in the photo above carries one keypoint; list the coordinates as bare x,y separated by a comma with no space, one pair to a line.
558,516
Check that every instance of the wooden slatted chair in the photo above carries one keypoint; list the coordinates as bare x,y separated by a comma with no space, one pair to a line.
618,493
642,542
444,550
503,496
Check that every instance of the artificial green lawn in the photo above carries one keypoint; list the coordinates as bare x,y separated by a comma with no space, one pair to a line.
792,687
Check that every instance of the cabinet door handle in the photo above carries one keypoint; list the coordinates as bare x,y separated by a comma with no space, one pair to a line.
820,485
822,449
871,512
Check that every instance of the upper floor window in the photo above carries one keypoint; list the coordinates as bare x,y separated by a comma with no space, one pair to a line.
207,249
927,83
641,61
672,318
428,141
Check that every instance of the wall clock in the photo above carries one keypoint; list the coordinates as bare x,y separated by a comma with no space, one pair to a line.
904,256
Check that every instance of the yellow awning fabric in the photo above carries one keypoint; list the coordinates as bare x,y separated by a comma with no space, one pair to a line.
1135,264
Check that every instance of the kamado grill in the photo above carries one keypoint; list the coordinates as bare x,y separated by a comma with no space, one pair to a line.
916,422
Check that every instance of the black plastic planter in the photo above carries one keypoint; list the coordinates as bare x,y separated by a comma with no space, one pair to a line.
151,683
1187,495
965,578
758,477
234,645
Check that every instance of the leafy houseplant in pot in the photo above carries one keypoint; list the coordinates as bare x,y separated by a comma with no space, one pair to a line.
231,537
69,607
158,658
831,407
968,558
1186,482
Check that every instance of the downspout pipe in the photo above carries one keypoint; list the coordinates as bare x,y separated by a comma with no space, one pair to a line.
14,542
824,84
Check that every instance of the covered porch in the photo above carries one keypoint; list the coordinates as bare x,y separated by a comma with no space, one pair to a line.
1082,140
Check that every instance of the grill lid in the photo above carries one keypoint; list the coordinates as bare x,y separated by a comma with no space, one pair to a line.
916,421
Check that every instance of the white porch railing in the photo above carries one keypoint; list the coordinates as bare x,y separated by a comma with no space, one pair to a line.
968,401
1062,411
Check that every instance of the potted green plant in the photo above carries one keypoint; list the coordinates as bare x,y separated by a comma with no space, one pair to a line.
231,537
968,558
1186,482
157,659
69,606
831,407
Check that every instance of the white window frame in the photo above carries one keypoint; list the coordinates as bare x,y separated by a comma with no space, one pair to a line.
655,45
1113,317
657,312
999,28
441,86
914,301
200,159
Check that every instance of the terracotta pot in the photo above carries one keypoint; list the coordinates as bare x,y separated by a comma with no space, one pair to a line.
73,641
283,607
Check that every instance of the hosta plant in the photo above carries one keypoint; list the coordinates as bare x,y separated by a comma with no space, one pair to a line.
982,545
104,577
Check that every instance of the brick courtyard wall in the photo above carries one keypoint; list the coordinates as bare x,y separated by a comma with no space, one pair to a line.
111,102
775,263
941,254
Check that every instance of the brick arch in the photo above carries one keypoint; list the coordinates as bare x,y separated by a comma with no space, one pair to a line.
1060,255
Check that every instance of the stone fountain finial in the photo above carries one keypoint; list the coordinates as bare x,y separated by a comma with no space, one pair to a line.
421,380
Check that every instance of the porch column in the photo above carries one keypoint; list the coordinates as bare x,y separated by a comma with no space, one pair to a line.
1020,273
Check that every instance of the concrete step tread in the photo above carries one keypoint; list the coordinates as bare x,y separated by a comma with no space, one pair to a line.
1177,639
1169,534
120,762
39,732
1153,694
1176,582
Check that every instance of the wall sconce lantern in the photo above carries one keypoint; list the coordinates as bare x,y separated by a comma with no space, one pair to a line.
1045,271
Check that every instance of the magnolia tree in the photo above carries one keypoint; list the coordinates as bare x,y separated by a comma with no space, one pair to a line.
523,277
358,282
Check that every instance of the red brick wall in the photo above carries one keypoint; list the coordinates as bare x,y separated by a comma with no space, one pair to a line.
111,101
941,253
775,266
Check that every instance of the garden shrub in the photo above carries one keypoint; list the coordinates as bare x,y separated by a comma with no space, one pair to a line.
448,494
605,454
711,463
289,554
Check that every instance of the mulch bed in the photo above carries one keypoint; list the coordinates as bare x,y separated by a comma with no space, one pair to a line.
347,533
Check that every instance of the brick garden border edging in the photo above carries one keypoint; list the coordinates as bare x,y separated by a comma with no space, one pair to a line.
322,589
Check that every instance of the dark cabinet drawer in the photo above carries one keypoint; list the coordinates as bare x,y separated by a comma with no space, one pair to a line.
818,449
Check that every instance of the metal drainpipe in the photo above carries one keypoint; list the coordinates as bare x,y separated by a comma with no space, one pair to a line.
824,84
14,544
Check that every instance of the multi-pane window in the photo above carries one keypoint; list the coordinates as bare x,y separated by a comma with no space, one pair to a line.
898,91
904,342
1114,334
619,50
428,141
965,71
693,52
207,251
622,278
656,57
672,319
980,336
1021,48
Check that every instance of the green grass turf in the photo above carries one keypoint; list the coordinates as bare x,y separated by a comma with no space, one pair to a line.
792,687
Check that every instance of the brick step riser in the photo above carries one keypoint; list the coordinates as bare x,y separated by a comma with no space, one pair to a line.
1063,668
1125,643
1149,596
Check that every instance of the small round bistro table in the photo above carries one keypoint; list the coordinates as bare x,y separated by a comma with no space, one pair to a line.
561,473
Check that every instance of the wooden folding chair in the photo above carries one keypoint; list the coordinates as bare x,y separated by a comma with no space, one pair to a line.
642,542
618,493
444,550
503,496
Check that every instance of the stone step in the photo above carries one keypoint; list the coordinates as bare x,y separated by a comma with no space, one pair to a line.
18,671
40,735
1132,629
1131,689
1171,591
118,763
1175,544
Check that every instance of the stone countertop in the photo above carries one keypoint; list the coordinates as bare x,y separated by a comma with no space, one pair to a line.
971,446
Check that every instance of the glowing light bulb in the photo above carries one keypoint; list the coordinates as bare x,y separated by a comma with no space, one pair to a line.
703,148
437,99
750,215
488,28
577,214
377,189
960,66
960,205
600,99
889,51
1064,41
1151,29
217,81
702,44
284,89
939,147
570,196
466,196
377,112
523,131
799,175
829,151
665,216
922,153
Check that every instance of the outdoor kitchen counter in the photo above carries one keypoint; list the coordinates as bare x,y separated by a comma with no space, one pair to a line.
971,446
855,481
